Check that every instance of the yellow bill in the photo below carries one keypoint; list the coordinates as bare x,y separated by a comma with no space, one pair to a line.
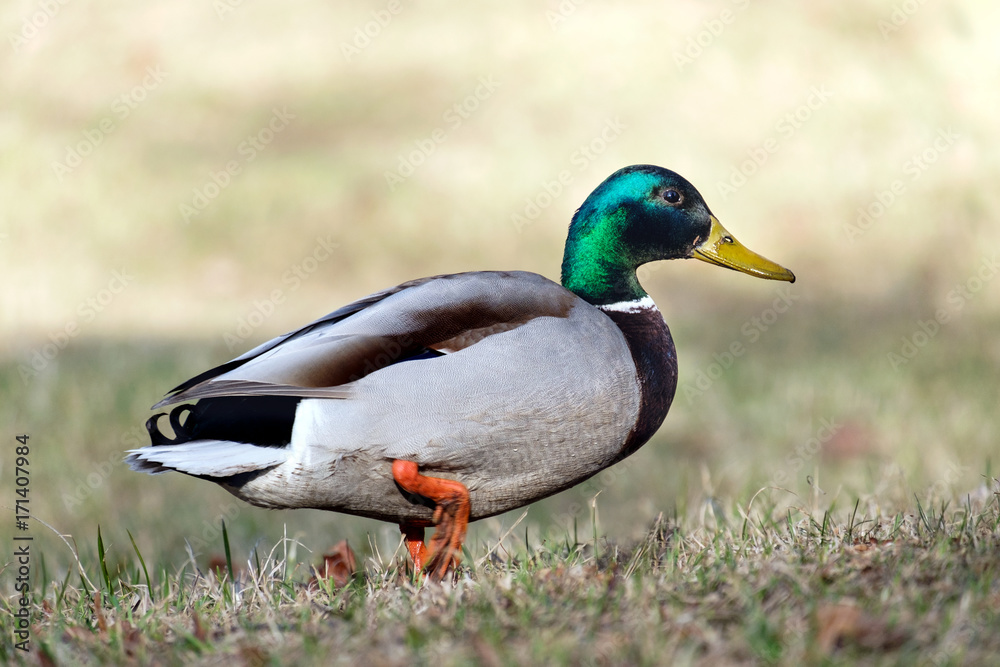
722,249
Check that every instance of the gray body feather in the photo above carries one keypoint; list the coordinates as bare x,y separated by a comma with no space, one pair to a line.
535,390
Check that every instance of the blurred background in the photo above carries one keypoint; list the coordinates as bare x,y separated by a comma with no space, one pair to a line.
180,181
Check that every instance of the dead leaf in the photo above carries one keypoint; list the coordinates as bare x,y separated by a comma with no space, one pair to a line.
254,656
131,637
200,633
339,564
871,544
851,441
843,622
485,654
218,565
102,622
75,633
45,658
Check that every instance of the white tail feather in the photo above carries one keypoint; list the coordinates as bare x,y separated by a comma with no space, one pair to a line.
211,458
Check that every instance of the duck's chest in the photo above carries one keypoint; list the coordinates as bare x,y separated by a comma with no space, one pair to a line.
655,359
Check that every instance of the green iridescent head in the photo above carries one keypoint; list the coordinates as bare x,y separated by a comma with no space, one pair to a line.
645,213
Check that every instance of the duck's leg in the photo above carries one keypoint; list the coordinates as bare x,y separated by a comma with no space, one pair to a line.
451,516
414,536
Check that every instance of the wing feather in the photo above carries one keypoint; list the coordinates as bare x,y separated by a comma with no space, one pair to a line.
442,313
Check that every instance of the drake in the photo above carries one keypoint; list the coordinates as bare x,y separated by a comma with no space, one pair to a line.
457,397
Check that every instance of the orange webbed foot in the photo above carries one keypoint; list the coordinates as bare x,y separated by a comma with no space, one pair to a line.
451,516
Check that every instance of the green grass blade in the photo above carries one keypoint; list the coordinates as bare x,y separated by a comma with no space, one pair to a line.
229,555
142,561
62,590
851,525
101,556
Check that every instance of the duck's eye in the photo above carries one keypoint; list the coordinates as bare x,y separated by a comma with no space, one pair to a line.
672,197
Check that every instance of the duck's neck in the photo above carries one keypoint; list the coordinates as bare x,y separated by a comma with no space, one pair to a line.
655,360
597,265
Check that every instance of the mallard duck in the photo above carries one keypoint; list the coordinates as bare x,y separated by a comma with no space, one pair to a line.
457,397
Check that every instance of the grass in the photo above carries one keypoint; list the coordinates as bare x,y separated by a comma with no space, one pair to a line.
848,586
